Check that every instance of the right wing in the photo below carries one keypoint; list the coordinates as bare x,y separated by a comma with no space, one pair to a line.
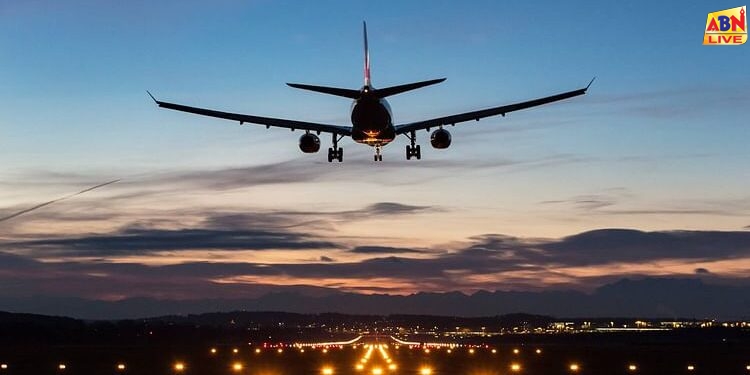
267,121
476,115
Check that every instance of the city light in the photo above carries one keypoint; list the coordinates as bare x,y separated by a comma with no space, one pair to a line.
632,367
425,371
179,367
327,370
120,367
237,367
515,367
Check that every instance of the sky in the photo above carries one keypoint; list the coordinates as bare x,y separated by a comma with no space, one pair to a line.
645,175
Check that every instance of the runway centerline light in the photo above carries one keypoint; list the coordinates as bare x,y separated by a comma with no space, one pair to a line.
516,351
690,368
237,366
120,367
377,371
257,351
539,351
61,366
213,350
574,367
392,367
4,366
235,350
179,367
425,371
632,367
327,370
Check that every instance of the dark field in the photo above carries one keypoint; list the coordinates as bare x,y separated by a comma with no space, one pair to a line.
593,354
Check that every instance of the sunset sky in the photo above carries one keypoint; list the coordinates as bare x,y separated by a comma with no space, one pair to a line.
658,148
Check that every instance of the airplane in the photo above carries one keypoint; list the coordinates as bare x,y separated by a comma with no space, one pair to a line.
371,116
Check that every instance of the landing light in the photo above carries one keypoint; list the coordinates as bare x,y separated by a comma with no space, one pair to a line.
4,366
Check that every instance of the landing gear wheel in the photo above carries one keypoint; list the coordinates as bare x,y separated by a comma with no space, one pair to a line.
337,154
418,153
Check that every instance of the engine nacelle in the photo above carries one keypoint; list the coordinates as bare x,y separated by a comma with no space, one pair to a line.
440,139
309,143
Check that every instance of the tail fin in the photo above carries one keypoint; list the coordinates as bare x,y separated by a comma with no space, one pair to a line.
367,55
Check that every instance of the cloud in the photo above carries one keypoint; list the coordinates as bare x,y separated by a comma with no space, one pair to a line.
142,241
385,250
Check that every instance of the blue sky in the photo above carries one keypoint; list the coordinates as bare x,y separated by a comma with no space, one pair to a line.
659,143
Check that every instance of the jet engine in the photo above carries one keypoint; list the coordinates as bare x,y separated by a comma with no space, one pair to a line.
440,138
309,143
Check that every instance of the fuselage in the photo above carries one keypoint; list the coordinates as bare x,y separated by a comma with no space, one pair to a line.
372,121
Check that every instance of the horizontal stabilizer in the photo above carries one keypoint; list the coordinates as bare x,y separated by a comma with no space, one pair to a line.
347,93
393,90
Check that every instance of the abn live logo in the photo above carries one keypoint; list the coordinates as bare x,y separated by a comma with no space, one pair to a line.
726,27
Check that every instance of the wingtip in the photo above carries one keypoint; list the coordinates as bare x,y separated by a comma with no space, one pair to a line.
152,97
592,81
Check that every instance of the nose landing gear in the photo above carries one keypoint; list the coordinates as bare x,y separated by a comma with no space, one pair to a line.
378,156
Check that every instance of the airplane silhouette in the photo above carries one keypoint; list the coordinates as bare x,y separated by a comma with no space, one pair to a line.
372,121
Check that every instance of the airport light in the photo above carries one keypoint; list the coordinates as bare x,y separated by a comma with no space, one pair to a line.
449,351
471,351
516,351
427,351
279,350
61,367
213,350
425,371
302,350
494,351
574,367
235,350
325,351
632,368
237,367
691,368
4,366
120,367
257,351
179,367
392,367
360,367
515,367
539,351
746,367
377,371
327,370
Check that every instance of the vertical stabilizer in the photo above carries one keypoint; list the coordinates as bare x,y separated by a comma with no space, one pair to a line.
367,55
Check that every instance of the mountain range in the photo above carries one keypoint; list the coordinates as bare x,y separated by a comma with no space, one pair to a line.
648,297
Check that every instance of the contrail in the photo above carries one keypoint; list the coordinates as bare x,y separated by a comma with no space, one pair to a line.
19,213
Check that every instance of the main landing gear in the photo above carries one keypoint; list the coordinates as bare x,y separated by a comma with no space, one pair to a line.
414,150
336,152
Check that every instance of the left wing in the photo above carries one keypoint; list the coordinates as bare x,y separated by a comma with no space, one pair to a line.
476,115
267,121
